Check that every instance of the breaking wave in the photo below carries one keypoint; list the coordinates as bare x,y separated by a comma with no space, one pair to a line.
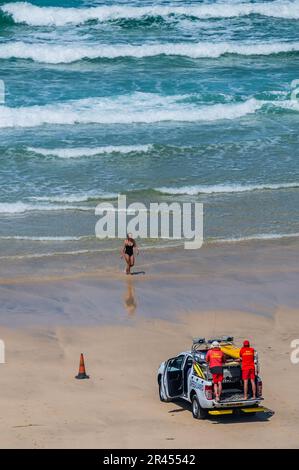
89,151
60,53
24,12
225,188
258,236
126,109
43,239
20,207
78,197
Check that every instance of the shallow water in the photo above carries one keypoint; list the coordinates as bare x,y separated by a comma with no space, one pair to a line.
257,277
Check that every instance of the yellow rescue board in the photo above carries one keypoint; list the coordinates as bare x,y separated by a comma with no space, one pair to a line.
230,350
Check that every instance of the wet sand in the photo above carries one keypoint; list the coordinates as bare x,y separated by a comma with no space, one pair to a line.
52,310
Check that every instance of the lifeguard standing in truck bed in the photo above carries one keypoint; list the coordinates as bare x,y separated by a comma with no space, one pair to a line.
247,355
216,358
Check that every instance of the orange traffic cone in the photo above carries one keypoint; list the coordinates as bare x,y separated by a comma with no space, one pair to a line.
82,372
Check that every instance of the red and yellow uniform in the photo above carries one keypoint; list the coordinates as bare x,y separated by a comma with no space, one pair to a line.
215,359
248,367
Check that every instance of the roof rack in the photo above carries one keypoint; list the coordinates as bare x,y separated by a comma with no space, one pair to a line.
221,339
198,343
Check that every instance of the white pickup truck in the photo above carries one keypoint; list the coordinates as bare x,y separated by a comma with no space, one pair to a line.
187,376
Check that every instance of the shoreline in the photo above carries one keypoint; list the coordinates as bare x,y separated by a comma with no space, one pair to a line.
257,277
267,238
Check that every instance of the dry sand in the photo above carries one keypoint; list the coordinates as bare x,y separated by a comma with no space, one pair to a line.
43,406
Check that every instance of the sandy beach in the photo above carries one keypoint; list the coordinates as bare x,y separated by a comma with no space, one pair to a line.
173,121
125,327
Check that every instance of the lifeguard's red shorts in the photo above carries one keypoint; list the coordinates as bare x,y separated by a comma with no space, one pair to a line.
248,374
217,378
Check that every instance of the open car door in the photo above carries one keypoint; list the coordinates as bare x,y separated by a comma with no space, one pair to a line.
173,377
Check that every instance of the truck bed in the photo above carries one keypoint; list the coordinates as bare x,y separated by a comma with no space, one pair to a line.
235,395
228,397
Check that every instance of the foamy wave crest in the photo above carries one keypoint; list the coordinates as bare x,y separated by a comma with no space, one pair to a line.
225,188
48,255
43,239
58,54
258,236
89,151
126,109
80,197
23,12
22,207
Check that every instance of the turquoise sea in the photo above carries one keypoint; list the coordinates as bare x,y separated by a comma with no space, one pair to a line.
168,101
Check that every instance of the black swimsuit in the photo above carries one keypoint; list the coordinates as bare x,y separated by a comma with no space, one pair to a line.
129,250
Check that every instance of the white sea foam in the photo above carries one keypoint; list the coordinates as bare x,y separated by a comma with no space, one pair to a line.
79,197
42,239
47,255
225,188
89,151
22,207
258,236
24,12
126,109
66,53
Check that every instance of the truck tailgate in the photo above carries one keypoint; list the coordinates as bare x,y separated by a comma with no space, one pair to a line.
236,402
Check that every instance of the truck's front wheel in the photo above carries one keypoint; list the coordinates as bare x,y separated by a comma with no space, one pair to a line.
197,411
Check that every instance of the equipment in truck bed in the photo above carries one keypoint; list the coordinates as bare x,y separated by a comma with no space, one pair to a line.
226,345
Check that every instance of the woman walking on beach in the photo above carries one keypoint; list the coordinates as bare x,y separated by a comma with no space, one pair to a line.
128,252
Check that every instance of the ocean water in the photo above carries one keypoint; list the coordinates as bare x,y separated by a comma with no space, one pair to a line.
161,101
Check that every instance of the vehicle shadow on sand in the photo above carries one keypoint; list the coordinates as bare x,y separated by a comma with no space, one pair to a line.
236,418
